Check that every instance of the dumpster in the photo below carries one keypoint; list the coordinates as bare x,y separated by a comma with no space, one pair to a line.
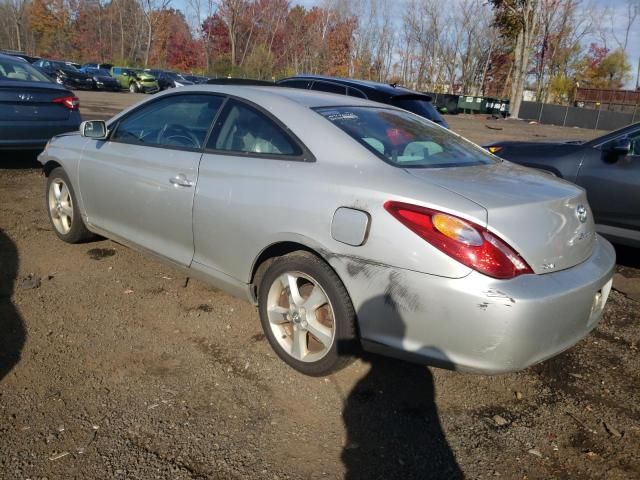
495,106
468,104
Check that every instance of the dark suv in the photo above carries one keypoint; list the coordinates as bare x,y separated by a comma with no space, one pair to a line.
400,97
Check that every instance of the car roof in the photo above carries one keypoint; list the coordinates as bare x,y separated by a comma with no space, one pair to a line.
11,57
608,136
268,94
365,85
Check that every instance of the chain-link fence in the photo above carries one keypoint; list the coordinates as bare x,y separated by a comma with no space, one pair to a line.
566,116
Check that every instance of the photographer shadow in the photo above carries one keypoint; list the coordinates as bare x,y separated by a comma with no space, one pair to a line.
391,419
12,331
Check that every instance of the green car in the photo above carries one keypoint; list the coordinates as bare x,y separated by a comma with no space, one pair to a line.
135,79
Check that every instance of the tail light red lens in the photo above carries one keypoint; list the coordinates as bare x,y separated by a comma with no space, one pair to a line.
70,101
466,242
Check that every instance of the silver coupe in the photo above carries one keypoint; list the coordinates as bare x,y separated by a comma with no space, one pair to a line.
349,223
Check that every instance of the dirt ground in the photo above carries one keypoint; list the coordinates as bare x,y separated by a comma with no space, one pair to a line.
110,367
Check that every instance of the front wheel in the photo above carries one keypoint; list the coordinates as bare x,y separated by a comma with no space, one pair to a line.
306,314
133,88
62,209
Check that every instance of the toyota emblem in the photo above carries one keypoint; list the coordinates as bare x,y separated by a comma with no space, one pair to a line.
581,213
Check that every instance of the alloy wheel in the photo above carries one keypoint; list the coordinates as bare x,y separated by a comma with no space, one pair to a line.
301,316
60,206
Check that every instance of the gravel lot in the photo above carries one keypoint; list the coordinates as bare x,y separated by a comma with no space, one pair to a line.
111,368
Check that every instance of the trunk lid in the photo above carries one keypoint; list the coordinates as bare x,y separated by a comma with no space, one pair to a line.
31,101
546,220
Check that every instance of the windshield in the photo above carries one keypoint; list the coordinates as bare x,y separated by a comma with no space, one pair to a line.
11,69
405,140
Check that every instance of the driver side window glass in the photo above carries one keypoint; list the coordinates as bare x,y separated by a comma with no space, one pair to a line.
176,121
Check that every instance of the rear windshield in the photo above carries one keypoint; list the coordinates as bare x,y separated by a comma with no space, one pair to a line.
11,69
405,140
419,106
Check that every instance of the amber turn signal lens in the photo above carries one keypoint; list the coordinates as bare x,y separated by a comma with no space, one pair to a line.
494,150
456,229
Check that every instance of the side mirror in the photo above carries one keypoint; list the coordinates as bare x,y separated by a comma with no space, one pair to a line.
125,74
620,146
96,129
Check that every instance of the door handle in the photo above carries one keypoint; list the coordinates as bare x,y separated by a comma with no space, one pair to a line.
181,180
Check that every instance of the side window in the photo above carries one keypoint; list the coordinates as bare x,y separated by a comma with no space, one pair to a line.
295,83
116,71
329,88
354,92
635,143
244,129
180,121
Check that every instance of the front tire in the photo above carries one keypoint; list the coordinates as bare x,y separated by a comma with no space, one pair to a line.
63,210
307,315
133,88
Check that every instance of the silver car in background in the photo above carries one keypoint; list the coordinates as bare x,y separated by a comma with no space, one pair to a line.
346,221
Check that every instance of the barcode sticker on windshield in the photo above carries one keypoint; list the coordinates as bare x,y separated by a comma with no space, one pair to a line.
342,116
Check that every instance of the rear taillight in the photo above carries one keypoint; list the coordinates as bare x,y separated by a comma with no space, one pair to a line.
466,242
71,102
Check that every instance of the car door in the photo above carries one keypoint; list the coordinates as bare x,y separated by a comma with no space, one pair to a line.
244,172
139,184
613,184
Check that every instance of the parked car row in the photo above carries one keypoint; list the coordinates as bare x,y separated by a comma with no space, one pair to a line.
104,76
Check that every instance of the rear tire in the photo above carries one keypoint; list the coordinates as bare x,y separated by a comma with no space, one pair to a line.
62,208
307,314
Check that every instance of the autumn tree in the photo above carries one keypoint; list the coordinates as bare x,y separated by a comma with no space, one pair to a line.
50,22
518,21
16,14
603,69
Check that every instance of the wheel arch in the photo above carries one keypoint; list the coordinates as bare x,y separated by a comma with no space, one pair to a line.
48,167
269,254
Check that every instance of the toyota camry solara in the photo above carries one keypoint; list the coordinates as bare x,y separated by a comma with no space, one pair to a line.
349,223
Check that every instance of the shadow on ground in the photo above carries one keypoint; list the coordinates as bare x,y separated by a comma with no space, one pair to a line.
627,256
12,331
393,429
20,159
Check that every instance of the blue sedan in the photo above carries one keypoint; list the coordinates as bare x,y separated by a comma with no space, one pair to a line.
32,107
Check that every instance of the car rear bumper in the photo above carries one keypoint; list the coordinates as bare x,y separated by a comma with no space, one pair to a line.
28,135
477,323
